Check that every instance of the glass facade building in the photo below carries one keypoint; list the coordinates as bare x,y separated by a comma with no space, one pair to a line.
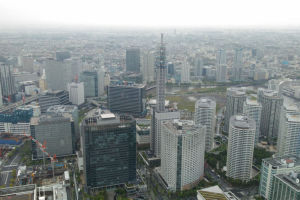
109,149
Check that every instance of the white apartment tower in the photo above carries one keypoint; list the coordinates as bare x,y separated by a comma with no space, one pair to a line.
221,75
185,72
235,99
240,147
182,154
252,108
76,93
205,114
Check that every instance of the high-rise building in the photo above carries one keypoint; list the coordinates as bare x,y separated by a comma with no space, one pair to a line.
252,108
133,62
148,66
271,103
185,72
198,66
158,113
42,82
182,154
171,68
7,81
286,186
221,74
109,149
238,65
60,73
235,99
93,83
68,110
128,99
156,129
52,98
240,147
76,93
289,134
57,131
272,166
205,115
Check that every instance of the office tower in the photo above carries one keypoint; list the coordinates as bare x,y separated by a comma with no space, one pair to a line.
171,68
133,60
76,93
128,99
198,66
93,82
221,74
17,122
271,103
240,147
205,115
185,72
62,55
68,110
101,81
272,166
235,99
51,98
143,132
7,81
109,149
57,131
238,65
182,154
286,186
161,77
252,108
148,66
60,73
42,82
158,113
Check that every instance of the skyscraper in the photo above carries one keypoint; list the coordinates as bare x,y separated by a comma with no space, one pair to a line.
109,149
272,166
51,98
198,66
7,81
129,99
185,72
91,81
240,147
252,109
1,101
238,65
133,62
221,75
235,99
271,103
76,93
57,130
182,154
205,115
148,66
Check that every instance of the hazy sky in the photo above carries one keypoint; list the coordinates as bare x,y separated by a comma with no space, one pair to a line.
150,12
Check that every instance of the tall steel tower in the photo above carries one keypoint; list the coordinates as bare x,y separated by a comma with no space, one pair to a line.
161,77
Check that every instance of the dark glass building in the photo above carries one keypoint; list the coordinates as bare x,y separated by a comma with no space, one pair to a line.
133,62
90,81
109,149
129,99
52,98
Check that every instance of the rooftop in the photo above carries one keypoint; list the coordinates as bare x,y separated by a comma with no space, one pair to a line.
253,102
292,179
293,118
242,121
46,118
237,91
180,126
283,161
205,103
62,108
127,84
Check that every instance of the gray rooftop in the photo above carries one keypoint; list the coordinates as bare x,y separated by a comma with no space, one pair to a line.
62,108
205,103
292,179
242,122
283,161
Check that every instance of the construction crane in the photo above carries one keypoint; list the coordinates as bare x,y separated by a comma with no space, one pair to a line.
42,147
